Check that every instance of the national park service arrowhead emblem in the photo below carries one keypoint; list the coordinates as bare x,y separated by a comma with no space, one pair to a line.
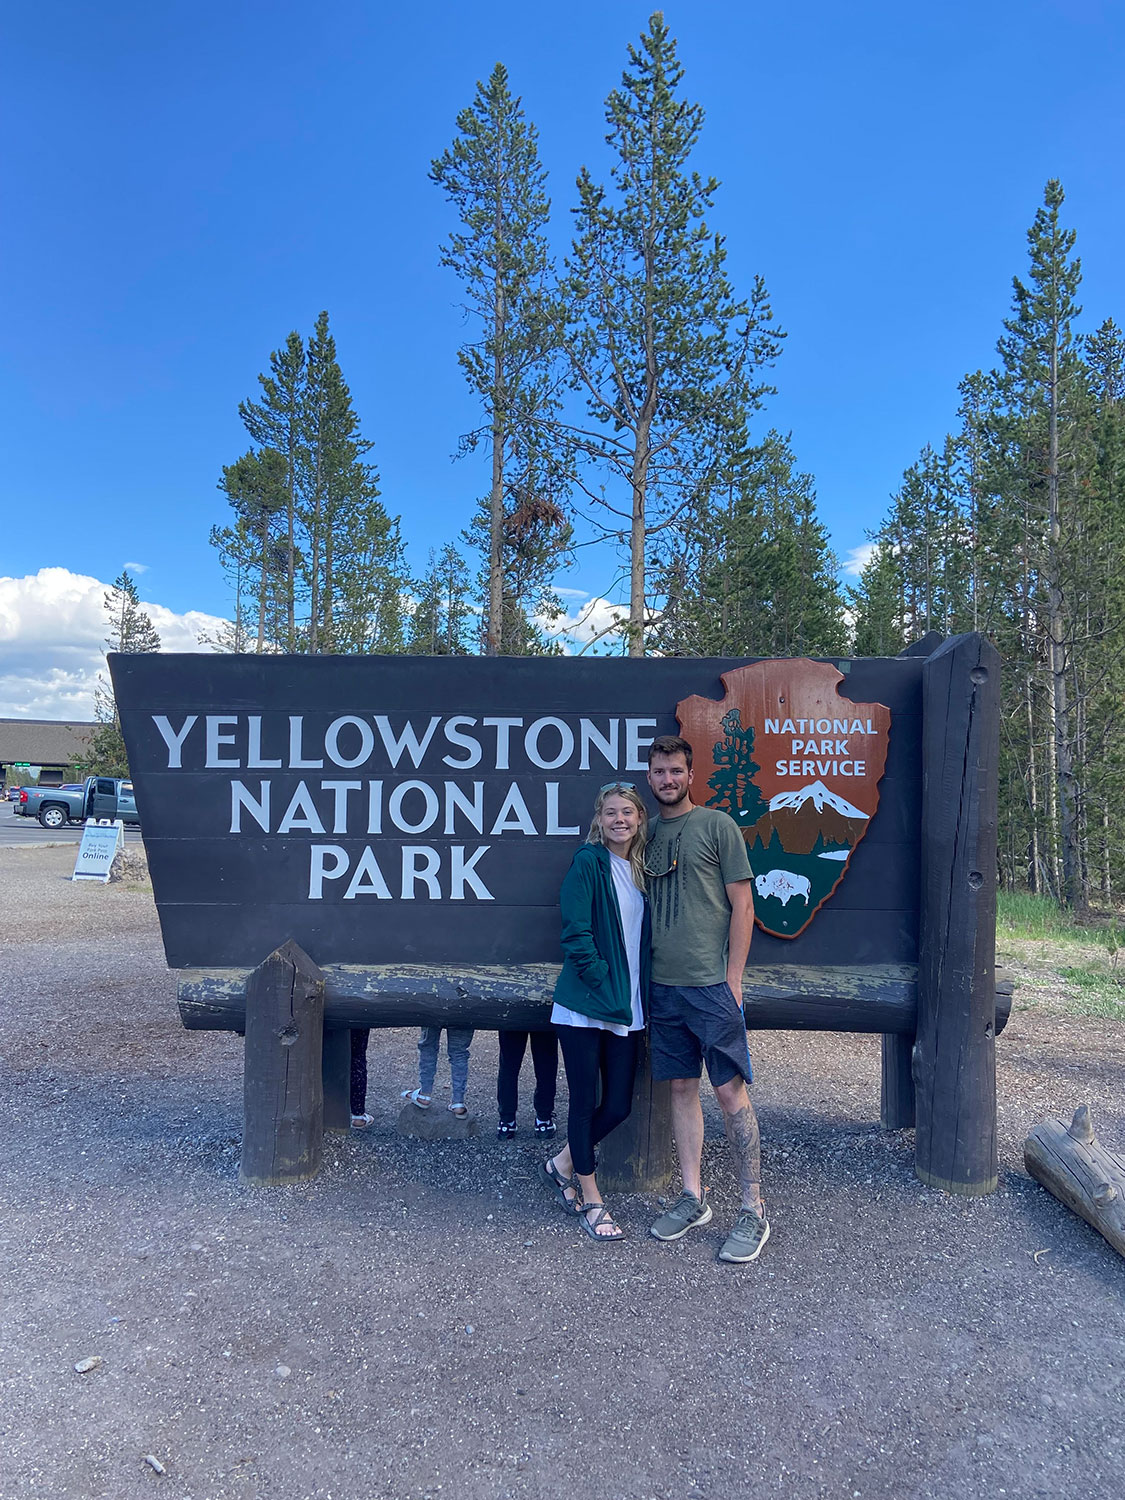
797,766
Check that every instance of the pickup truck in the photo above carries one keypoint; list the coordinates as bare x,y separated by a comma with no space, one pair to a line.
98,797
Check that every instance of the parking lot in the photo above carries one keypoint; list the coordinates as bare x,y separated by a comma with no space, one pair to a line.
16,830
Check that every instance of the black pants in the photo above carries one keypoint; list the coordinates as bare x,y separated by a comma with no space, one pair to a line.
359,1069
592,1056
545,1059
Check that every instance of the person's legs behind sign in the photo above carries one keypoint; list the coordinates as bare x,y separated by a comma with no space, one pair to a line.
429,1039
359,1038
458,1040
545,1058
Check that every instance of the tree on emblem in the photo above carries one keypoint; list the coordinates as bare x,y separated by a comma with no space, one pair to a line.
733,785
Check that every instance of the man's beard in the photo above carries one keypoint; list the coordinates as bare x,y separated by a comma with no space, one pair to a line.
673,797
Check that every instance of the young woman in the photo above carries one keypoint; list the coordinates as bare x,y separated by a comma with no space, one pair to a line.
601,995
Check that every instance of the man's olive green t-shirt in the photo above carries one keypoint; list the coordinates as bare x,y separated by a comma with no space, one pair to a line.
690,909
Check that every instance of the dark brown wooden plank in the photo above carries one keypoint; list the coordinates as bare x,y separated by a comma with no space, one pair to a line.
207,934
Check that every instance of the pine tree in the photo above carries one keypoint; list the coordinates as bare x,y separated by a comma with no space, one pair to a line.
442,612
733,784
256,486
277,422
756,576
663,353
310,527
876,605
1041,361
130,630
493,176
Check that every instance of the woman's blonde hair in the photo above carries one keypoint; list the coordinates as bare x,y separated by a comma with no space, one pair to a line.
640,838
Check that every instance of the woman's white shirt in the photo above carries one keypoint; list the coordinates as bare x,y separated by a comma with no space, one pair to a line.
631,905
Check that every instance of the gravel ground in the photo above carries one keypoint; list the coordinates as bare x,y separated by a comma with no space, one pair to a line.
422,1322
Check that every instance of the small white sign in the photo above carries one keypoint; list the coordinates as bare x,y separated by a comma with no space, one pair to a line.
101,839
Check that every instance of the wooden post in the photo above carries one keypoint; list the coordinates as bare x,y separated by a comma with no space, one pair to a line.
336,1075
955,1054
283,1111
896,1094
896,1099
637,1156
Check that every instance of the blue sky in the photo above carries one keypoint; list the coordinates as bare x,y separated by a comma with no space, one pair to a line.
186,182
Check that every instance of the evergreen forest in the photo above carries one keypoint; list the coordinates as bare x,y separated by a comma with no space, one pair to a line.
621,386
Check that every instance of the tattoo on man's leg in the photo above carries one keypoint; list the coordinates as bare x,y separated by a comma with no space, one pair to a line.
743,1134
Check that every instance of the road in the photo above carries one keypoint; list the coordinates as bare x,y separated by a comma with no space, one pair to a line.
20,831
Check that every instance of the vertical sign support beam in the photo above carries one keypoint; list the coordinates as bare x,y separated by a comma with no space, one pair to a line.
637,1156
896,1098
896,1095
955,1054
283,1110
336,1073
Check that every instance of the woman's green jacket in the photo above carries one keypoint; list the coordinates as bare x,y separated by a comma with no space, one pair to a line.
595,972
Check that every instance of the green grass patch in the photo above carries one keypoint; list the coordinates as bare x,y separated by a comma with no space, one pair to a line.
1025,916
1100,994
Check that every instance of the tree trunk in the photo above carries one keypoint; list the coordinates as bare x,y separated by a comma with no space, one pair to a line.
1033,861
494,637
291,589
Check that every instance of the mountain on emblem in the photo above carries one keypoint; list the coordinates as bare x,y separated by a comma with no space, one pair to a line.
797,766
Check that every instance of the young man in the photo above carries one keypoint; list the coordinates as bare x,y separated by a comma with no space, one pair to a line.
702,916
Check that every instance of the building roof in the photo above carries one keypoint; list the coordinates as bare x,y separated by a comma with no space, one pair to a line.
44,742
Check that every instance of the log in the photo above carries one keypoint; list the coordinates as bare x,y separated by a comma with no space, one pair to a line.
283,1098
1072,1163
637,1157
517,997
955,1054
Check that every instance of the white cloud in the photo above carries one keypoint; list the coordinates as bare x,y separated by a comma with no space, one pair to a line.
858,558
52,641
596,620
135,567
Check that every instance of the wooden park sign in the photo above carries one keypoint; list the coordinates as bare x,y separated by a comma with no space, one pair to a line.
394,832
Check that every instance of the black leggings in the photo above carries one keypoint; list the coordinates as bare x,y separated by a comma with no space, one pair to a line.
360,1035
591,1055
545,1058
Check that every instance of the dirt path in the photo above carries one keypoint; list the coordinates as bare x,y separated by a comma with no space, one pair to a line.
421,1322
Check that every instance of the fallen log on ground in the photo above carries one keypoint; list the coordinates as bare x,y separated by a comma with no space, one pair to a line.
1071,1163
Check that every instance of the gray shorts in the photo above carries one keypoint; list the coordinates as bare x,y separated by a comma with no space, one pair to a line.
689,1025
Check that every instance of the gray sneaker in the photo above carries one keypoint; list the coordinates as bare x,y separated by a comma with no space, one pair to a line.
746,1239
688,1212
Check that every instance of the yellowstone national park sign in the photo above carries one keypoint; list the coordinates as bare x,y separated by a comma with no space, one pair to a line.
425,809
798,767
